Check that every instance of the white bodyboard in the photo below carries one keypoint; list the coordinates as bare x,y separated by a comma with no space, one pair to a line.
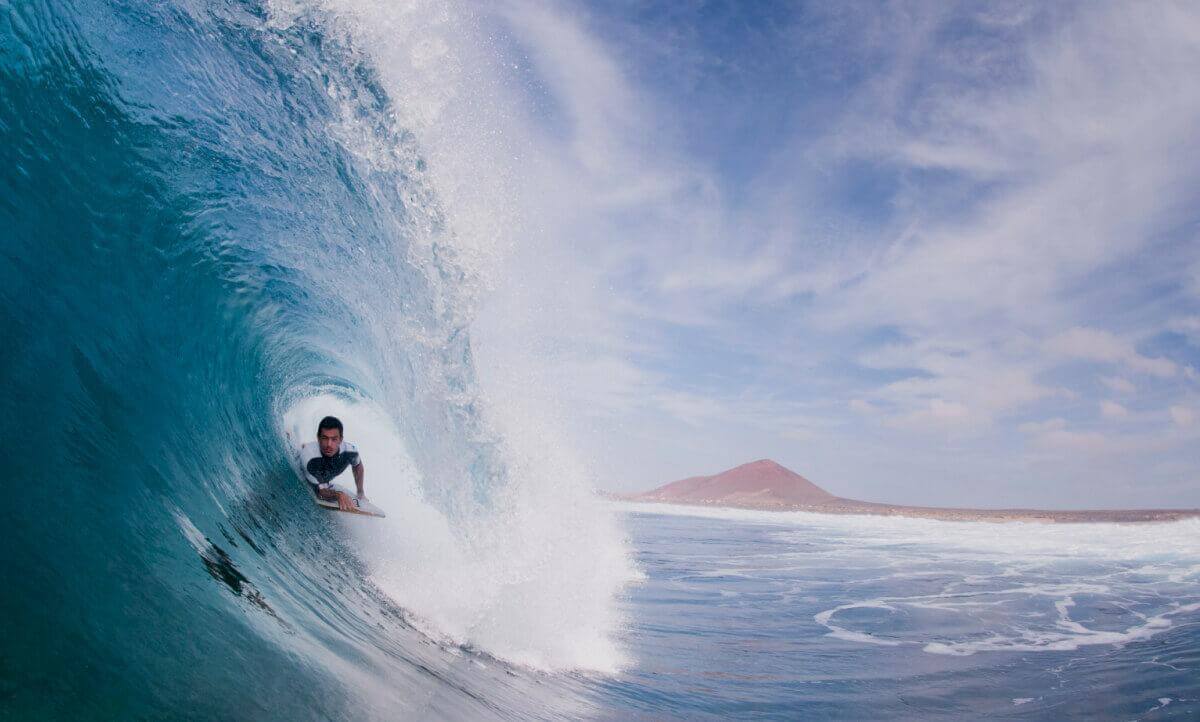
361,506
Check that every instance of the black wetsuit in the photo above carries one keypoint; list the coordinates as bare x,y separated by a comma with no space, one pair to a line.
319,470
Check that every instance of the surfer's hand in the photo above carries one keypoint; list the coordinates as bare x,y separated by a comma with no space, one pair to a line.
344,502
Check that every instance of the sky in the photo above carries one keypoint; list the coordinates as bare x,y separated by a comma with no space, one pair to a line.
919,252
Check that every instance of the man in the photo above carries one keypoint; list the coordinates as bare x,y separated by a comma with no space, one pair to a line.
329,457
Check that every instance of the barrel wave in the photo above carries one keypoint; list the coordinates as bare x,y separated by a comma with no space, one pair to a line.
217,224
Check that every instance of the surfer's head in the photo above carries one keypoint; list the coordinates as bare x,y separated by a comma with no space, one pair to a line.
329,434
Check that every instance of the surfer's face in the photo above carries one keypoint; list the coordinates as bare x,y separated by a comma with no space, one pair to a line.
330,440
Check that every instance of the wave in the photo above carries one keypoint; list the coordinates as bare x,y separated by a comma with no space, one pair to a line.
221,223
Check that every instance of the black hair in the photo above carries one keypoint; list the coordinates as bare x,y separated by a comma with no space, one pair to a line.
330,422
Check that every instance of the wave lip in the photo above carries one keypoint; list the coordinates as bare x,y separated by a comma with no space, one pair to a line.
216,223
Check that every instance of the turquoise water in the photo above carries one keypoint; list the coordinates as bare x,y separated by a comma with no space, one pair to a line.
189,253
220,221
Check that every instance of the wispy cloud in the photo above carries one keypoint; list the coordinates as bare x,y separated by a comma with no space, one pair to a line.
907,226
1094,345
1113,410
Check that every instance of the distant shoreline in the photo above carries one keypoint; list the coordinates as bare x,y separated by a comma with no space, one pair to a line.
765,485
850,506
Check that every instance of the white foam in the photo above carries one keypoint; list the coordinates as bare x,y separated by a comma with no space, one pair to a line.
532,573
1170,541
1067,634
533,581
1011,587
825,619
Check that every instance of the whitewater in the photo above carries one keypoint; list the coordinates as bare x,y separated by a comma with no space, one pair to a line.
220,222
785,615
223,221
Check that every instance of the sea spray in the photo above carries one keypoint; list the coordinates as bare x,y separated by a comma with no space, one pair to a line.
527,580
215,222
519,560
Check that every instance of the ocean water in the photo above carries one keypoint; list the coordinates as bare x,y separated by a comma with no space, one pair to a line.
220,221
765,615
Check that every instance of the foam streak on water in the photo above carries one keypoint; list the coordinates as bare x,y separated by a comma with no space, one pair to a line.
780,614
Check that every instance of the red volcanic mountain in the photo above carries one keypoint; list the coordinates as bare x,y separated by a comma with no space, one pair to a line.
764,484
759,483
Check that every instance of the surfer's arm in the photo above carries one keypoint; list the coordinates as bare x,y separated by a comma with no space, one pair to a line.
359,470
327,492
